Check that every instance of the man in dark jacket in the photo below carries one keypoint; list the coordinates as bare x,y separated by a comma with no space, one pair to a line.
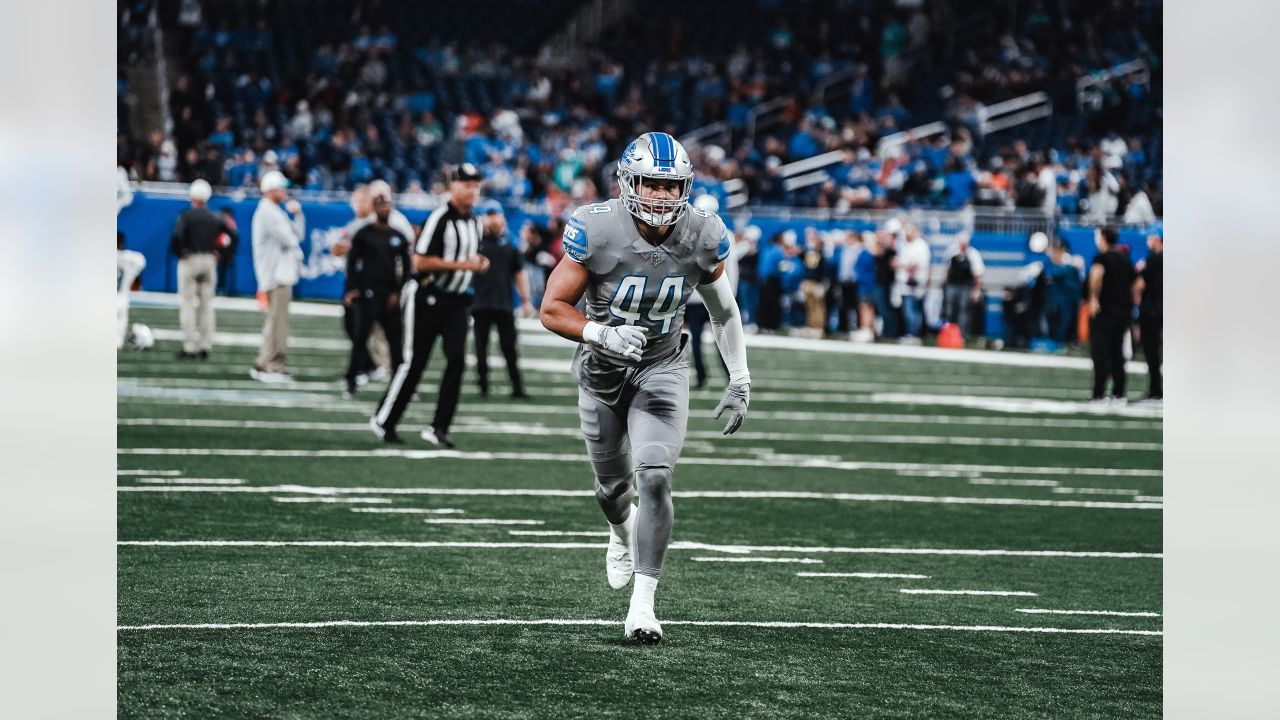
1110,310
195,243
493,303
377,263
1150,291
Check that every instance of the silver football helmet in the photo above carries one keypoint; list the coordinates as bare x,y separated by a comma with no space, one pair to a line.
655,156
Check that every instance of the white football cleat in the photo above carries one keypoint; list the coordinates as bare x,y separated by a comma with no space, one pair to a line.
617,559
642,626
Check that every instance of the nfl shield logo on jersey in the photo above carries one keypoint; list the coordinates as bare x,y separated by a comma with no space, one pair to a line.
655,259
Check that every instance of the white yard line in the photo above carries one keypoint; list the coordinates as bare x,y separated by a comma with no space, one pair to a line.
675,545
1002,593
189,481
787,461
170,473
685,494
561,533
1110,613
1149,498
412,511
868,575
798,561
1094,491
1018,405
1013,482
524,429
480,521
349,500
607,623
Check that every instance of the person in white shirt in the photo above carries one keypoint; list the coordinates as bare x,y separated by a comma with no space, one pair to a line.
129,264
277,263
914,262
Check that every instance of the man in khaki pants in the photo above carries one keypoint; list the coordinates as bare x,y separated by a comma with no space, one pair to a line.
277,263
195,242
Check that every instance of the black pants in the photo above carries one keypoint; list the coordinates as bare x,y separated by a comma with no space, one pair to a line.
359,318
505,322
697,317
1106,340
1152,327
848,304
771,304
428,315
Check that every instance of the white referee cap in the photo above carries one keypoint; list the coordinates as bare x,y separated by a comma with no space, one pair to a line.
200,190
273,180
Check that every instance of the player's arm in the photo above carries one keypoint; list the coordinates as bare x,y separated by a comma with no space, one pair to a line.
565,286
726,326
429,255
1095,288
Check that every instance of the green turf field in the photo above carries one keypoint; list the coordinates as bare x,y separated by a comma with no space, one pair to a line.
277,561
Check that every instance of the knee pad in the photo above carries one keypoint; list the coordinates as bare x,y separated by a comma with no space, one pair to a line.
654,463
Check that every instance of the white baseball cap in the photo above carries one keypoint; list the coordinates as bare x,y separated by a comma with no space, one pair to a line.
273,180
379,188
200,190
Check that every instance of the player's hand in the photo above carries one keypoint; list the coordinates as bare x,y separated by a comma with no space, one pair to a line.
350,297
340,248
1095,307
623,342
526,309
735,400
393,301
263,301
293,206
479,264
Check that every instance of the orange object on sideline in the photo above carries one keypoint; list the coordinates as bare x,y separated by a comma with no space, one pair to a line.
263,302
1082,326
950,337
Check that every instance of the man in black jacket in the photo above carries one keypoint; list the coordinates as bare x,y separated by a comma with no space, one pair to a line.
376,264
493,303
1110,310
195,243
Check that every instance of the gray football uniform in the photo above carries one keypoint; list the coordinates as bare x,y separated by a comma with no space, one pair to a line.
633,417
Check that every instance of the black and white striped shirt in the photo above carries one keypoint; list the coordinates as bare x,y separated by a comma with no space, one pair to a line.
450,235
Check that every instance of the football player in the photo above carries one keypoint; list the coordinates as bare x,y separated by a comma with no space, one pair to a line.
637,259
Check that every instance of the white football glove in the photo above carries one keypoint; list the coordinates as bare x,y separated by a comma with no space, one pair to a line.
622,342
735,400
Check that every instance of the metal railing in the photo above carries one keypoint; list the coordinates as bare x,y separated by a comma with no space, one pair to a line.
1089,87
1011,113
719,133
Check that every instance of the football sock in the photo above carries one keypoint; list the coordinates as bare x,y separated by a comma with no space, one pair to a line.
642,592
622,531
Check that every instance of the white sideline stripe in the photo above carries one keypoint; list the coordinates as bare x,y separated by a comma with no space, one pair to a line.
1112,613
353,500
1018,593
148,472
533,329
1018,405
1149,498
691,623
1015,482
787,461
1095,491
688,494
526,429
675,545
901,576
412,511
800,561
480,521
560,533
190,481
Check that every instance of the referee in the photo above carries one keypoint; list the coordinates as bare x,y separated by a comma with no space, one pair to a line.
437,303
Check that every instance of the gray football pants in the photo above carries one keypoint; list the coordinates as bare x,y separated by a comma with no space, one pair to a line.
634,444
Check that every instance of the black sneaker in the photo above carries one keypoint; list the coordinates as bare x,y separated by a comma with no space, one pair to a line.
520,395
184,355
204,354
437,437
